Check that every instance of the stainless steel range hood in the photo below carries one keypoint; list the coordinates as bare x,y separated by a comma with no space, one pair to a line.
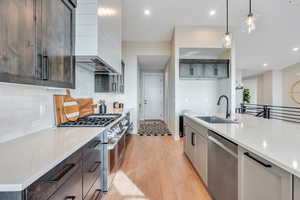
95,63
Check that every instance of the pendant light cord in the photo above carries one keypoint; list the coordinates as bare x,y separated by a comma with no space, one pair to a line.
250,7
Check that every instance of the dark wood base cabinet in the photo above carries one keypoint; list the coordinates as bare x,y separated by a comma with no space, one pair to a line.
71,190
76,178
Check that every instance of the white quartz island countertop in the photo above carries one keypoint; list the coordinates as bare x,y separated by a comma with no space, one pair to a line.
274,140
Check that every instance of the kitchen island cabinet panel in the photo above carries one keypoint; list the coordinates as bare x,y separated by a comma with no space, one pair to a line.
296,188
261,180
195,147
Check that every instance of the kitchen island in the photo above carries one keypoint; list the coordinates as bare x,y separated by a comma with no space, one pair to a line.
264,156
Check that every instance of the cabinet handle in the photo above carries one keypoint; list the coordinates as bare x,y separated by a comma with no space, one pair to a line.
258,161
193,138
45,68
61,174
41,57
95,144
95,167
96,195
70,198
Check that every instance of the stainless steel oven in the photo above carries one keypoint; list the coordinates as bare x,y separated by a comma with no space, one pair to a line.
222,168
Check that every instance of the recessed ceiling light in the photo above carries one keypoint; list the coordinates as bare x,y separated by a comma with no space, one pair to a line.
147,12
265,64
212,12
295,48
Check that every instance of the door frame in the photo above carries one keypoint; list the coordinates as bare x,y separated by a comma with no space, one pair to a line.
158,74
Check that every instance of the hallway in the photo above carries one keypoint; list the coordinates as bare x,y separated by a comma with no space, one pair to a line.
155,168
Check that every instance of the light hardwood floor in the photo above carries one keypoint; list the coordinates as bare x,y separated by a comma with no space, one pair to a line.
155,168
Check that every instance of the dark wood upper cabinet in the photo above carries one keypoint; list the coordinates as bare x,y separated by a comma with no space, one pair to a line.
58,42
17,41
37,42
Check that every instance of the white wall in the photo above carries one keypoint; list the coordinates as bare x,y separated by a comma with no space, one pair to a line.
130,53
26,109
198,96
196,37
251,84
290,75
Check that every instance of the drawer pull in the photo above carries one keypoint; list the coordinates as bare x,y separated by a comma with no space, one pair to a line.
61,174
258,161
96,195
95,167
70,198
95,144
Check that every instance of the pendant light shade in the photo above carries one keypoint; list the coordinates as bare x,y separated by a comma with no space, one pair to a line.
227,37
250,20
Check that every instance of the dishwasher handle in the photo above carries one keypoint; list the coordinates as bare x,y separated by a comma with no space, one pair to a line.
217,142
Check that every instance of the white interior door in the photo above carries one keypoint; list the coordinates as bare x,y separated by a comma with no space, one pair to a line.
153,96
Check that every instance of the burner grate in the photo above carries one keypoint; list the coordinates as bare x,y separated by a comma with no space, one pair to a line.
92,121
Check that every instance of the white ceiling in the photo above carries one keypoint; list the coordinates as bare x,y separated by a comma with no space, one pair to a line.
278,27
153,63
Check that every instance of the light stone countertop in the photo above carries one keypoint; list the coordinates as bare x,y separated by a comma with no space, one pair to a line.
26,159
274,140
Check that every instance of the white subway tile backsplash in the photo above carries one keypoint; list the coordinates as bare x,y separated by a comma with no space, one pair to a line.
27,109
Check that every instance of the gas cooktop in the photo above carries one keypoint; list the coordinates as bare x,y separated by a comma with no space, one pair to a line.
96,120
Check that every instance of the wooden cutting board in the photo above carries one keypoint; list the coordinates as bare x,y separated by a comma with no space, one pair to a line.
71,107
86,107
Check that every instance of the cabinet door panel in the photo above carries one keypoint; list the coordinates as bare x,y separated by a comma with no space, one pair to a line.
17,41
58,41
261,180
188,147
72,189
201,157
296,188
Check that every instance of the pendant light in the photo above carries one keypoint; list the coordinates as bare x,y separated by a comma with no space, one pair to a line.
227,37
250,19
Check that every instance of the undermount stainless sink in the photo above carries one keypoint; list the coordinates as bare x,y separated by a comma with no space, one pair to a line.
215,120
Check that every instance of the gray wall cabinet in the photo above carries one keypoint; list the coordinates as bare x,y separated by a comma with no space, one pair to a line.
204,69
37,45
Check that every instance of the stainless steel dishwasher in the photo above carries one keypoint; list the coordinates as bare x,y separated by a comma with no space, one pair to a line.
222,168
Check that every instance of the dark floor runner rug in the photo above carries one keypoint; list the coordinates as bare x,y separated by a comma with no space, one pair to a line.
154,128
